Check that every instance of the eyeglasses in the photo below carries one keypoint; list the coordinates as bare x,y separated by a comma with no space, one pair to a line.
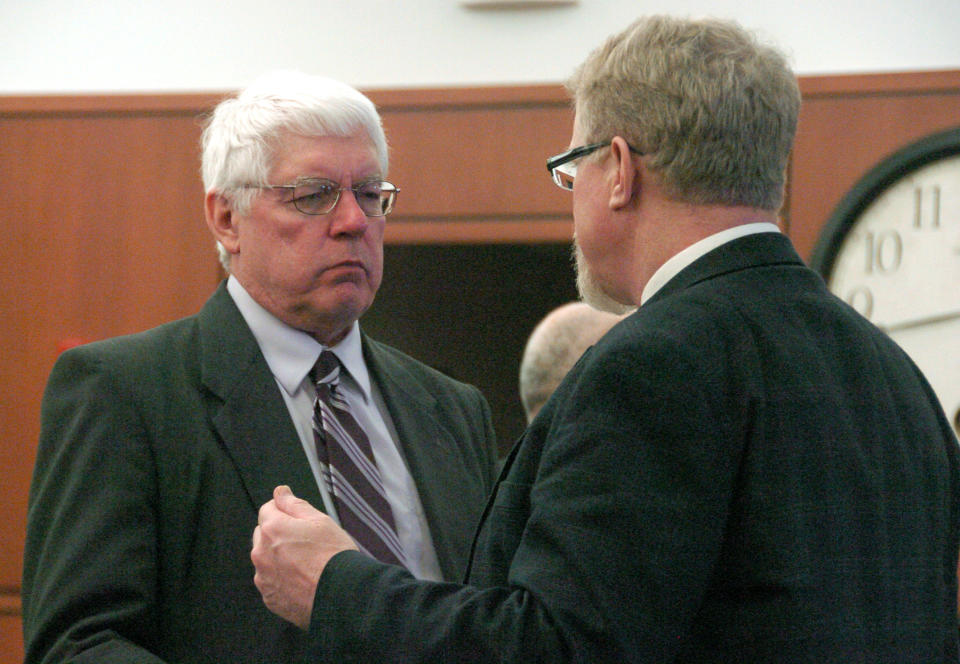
316,196
563,167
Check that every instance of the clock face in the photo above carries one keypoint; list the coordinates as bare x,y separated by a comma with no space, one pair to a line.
895,257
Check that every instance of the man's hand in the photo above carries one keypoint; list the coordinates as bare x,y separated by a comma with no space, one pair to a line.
292,543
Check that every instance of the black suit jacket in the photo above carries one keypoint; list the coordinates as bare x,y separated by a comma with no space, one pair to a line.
156,452
745,470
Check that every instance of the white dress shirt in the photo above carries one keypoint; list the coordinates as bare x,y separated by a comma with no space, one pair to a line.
291,354
682,259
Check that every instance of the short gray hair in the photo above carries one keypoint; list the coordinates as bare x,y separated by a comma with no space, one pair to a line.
713,108
242,134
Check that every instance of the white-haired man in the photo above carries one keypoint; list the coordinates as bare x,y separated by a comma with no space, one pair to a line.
157,449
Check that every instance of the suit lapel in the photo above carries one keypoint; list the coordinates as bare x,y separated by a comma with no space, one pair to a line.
429,450
250,414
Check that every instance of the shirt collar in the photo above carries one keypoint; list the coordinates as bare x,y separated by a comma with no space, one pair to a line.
291,353
678,261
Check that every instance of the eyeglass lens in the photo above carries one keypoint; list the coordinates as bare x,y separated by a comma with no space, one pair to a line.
375,198
564,174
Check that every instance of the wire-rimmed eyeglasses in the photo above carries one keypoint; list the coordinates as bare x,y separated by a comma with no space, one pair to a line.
563,167
315,196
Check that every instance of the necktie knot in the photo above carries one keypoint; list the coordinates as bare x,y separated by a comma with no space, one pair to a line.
327,369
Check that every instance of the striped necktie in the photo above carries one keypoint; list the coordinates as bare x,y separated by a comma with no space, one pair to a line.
349,469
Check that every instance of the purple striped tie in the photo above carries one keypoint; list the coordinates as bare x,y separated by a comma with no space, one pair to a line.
349,469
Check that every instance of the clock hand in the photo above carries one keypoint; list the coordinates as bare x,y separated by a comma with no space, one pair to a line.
927,320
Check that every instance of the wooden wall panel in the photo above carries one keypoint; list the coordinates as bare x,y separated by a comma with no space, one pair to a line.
484,163
11,639
471,164
101,210
103,230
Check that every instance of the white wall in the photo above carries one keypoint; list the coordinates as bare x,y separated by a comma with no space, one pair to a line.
51,46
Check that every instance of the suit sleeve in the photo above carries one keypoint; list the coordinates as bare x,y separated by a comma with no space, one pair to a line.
90,564
607,541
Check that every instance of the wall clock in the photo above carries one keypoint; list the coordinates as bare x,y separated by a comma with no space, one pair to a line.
891,249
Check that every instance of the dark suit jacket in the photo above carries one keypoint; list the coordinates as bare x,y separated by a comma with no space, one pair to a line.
745,470
156,452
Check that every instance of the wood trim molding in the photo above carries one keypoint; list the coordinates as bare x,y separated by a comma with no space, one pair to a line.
126,104
478,97
945,81
10,601
400,99
395,99
479,231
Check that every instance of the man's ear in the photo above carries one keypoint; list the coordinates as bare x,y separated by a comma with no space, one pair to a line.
221,220
628,175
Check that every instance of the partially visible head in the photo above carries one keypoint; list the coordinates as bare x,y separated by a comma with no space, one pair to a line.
554,346
713,109
244,133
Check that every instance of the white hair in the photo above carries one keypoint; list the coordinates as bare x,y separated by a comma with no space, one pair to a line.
242,134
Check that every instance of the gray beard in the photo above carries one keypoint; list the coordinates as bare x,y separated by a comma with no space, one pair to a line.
590,291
